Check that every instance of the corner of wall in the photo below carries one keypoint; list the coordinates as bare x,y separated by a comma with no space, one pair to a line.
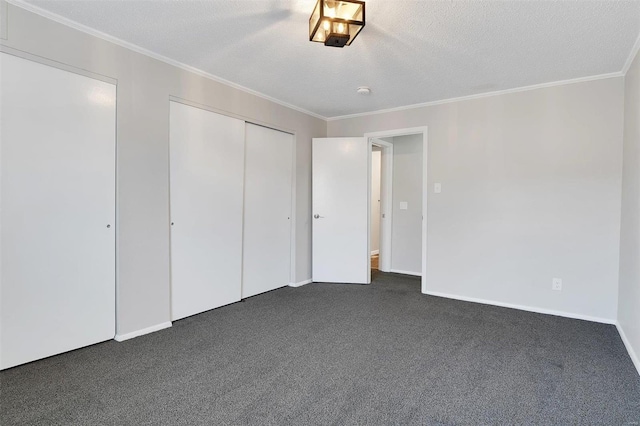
627,344
628,312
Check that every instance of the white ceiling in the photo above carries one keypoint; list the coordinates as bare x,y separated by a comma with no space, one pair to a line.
410,51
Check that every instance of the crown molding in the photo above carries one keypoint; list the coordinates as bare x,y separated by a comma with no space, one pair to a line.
632,56
99,34
481,95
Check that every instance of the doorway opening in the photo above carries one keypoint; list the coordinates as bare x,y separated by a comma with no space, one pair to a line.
381,173
376,214
398,226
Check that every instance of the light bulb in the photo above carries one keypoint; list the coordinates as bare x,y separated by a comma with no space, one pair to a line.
326,25
340,28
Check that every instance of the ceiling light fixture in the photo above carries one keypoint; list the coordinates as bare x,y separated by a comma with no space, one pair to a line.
336,23
364,90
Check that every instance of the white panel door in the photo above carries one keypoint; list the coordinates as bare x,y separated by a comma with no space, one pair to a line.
340,210
207,171
267,210
57,200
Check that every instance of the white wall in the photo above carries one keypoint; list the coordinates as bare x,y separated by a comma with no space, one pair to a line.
376,162
531,185
629,292
406,229
144,88
531,181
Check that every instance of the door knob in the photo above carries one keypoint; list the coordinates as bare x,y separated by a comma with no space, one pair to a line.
317,216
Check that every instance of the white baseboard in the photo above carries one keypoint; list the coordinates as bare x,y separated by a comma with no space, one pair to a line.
301,283
627,344
127,336
374,252
398,271
523,308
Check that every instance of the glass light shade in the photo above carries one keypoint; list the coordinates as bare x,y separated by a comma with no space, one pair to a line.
336,22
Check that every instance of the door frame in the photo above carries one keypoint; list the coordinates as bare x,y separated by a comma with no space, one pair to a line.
386,205
371,138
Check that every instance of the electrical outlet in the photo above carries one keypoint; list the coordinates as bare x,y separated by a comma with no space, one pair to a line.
557,284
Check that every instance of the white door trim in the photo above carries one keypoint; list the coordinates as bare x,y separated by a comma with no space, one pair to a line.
425,189
386,208
55,64
294,210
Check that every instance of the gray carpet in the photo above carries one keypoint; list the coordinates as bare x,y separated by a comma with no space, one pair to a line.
339,354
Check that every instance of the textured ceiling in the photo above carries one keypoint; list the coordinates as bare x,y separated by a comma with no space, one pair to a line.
409,52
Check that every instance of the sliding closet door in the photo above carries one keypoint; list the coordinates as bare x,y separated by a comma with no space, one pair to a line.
267,210
57,202
207,162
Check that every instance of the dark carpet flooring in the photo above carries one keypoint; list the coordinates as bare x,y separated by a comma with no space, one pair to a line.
339,354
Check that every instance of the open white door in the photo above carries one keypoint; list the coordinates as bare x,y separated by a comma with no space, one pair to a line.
340,174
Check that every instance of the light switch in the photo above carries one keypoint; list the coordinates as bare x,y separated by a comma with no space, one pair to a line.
437,188
404,205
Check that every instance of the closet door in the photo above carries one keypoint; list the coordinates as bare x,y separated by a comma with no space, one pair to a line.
267,210
57,203
207,163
